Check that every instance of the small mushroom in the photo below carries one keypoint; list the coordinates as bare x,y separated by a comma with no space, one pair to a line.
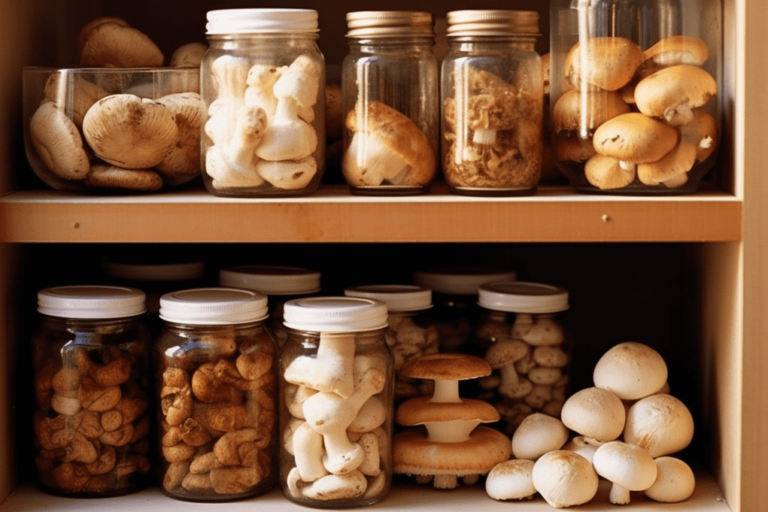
564,479
661,424
595,413
584,111
675,163
606,62
675,481
672,93
502,355
58,142
635,138
678,49
608,173
630,370
628,467
288,174
332,368
511,480
537,435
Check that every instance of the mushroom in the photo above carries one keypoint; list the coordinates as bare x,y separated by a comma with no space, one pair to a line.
606,62
446,369
628,467
675,163
595,413
672,93
702,133
58,142
572,147
114,44
584,446
634,138
288,174
330,370
446,422
675,481
607,173
308,452
261,79
72,94
387,148
183,161
661,424
511,480
564,478
679,49
584,111
188,55
630,370
537,435
336,487
503,354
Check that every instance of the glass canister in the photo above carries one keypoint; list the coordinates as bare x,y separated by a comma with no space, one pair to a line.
262,83
411,332
523,329
215,369
336,405
635,92
493,101
391,104
279,284
92,382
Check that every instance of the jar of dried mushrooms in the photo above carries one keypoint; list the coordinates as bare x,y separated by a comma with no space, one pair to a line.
91,381
217,390
336,408
492,103
390,103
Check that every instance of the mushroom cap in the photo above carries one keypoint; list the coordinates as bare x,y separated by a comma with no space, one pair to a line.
420,410
288,174
565,478
594,412
675,481
661,424
627,465
584,446
702,132
111,177
634,138
188,55
568,115
607,62
75,96
679,49
446,366
183,161
505,351
607,173
511,480
414,454
130,132
113,45
88,27
678,161
400,134
58,142
664,93
571,147
537,435
630,370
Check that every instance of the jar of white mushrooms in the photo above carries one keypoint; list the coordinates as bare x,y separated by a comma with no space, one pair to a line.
336,406
390,102
279,284
411,332
262,83
91,418
216,387
636,88
524,334
492,103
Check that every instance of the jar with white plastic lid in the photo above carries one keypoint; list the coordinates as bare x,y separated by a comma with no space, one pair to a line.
390,102
492,103
524,331
636,93
411,332
262,84
92,391
215,369
280,284
336,405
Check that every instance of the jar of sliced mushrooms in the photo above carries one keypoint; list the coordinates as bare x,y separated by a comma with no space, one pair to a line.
336,408
92,391
215,370
262,83
390,102
635,93
523,330
492,103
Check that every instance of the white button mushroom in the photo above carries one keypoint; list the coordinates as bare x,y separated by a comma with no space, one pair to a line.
511,480
537,435
661,424
675,481
564,479
627,466
58,142
595,413
630,370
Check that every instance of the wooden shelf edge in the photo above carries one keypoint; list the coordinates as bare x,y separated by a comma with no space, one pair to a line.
333,215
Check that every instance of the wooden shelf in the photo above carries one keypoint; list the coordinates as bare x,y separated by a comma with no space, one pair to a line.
554,214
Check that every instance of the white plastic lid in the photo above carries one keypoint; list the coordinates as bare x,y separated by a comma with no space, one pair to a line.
522,297
460,281
213,306
161,272
254,21
91,302
397,297
335,314
272,280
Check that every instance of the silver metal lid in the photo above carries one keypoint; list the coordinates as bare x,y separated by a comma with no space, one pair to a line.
493,22
364,24
255,21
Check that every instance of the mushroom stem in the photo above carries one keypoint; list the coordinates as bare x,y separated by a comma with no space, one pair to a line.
445,482
484,136
446,390
618,495
455,431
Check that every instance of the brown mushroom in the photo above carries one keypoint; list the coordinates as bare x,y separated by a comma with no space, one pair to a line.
672,93
183,161
113,177
606,62
635,138
675,163
112,44
569,114
679,49
58,142
607,173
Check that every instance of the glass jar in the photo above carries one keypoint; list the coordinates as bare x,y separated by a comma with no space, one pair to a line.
635,93
336,387
279,284
493,99
410,333
523,331
390,99
216,381
91,370
262,83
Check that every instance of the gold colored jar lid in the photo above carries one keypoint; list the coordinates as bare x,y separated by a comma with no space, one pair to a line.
494,22
365,24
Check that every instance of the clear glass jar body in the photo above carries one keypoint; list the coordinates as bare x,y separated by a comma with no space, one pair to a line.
216,409
92,414
492,99
264,132
336,430
646,74
411,334
391,107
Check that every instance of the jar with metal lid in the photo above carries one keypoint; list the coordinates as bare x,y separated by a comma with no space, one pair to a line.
492,103
336,407
523,330
92,391
262,84
411,332
215,369
390,101
635,93
279,284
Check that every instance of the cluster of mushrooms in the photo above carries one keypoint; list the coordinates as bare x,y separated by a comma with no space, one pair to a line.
106,130
635,117
627,427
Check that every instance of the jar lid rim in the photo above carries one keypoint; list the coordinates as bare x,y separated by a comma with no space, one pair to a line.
213,306
523,297
261,20
335,314
91,301
271,279
397,297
